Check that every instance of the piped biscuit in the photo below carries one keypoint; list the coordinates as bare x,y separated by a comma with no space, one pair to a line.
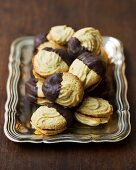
47,62
94,111
51,119
60,34
85,39
64,88
89,68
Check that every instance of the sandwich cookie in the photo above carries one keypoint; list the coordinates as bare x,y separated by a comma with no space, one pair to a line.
51,119
64,89
94,111
60,34
89,68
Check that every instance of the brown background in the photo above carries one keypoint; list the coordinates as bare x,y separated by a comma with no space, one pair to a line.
116,18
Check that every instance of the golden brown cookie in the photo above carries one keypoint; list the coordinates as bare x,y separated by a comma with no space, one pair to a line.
94,111
60,34
89,68
46,63
51,119
63,88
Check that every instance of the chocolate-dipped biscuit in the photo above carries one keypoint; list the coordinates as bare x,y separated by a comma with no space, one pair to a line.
85,39
33,92
46,63
63,88
51,119
75,48
89,68
51,86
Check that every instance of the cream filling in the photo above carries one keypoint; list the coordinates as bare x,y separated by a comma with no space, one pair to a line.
39,89
91,121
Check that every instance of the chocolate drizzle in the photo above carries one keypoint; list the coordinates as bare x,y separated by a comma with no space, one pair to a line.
51,86
65,112
75,48
31,90
94,62
62,53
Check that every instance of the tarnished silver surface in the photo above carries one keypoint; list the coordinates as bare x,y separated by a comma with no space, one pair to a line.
17,109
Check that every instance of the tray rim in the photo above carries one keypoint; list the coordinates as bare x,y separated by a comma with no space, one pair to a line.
65,138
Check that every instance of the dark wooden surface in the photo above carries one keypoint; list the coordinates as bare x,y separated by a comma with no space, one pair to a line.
116,18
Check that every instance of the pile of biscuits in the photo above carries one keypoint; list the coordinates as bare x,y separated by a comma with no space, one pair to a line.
66,66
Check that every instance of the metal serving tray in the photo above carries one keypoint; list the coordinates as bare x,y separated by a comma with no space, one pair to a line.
17,108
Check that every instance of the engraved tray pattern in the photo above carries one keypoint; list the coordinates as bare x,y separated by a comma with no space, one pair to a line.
118,127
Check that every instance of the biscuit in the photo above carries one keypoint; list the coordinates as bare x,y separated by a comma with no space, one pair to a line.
94,111
85,39
91,121
51,119
89,68
33,92
60,34
46,63
63,88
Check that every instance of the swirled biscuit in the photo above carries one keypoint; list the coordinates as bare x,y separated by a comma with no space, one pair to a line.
60,34
63,88
33,91
51,119
94,111
89,68
85,39
46,63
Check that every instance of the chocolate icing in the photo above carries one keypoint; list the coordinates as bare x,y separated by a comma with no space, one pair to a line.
65,112
75,48
31,90
51,86
62,53
39,39
94,62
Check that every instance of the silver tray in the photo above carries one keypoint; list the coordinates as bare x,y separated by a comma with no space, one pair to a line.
117,129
